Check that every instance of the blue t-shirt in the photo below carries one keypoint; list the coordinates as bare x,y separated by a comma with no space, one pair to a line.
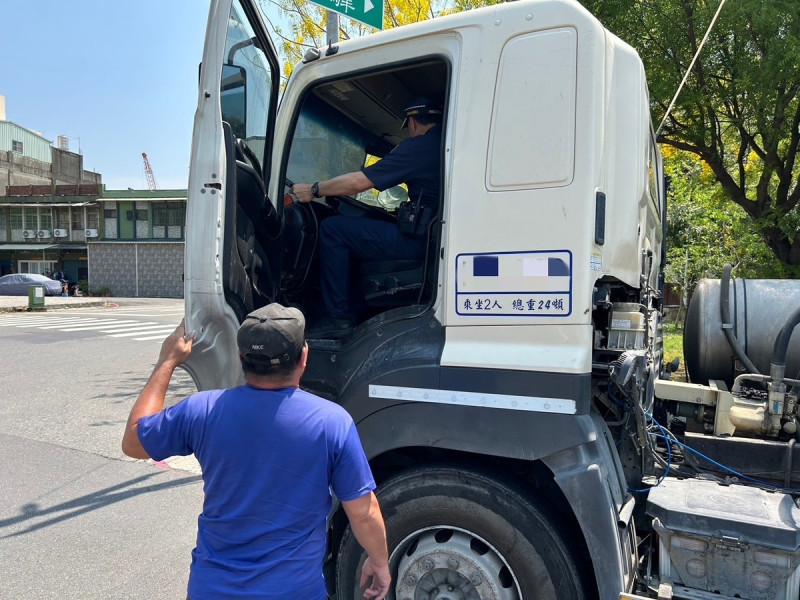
416,161
270,459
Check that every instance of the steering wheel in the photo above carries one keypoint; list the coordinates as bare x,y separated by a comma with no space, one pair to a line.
370,210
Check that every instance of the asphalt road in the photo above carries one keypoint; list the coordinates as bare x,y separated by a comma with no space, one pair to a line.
78,519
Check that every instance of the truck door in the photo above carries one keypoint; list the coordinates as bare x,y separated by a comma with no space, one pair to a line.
233,241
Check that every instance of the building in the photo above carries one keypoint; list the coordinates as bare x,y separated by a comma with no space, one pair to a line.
48,204
54,215
139,249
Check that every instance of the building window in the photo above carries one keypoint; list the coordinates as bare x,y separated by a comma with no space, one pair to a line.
110,213
16,146
15,218
46,219
160,215
31,220
77,220
62,218
177,214
93,218
141,214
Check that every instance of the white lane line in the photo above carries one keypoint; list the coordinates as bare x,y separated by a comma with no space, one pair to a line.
166,331
80,325
137,313
101,325
70,324
143,327
34,321
155,337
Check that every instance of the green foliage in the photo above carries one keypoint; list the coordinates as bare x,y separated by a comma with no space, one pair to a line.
739,111
308,22
731,141
705,230
673,348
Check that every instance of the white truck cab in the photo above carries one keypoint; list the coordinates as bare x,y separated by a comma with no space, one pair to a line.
473,374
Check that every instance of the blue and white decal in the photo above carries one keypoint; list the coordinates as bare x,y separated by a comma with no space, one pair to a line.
514,284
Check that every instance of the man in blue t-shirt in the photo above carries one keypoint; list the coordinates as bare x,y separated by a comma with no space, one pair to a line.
416,161
271,454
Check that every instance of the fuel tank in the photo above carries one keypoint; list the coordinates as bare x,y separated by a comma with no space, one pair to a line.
758,310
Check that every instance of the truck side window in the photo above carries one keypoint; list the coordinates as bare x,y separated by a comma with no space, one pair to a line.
246,83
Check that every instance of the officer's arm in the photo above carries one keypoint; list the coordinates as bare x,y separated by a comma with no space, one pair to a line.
348,184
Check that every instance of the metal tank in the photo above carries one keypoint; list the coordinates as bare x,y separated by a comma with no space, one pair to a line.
758,310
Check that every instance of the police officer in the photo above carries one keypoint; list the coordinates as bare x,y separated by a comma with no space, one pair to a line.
416,161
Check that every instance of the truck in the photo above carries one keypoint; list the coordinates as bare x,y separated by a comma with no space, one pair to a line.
509,390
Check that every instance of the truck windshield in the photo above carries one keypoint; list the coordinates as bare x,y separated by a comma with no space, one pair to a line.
326,144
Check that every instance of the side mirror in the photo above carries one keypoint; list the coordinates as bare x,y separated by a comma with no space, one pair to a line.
233,96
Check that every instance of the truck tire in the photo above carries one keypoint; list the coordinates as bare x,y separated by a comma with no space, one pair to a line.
461,534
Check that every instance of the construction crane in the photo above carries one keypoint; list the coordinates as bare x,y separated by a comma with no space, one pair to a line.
151,180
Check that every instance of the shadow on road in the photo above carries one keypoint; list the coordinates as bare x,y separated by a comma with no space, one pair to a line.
89,502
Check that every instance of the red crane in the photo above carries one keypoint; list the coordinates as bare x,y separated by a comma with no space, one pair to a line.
151,180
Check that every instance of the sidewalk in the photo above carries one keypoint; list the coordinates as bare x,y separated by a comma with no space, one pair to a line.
20,303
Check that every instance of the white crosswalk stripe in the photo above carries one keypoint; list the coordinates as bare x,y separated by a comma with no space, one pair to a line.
102,325
165,330
109,325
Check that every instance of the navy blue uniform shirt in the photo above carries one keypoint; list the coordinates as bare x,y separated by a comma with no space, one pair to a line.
416,161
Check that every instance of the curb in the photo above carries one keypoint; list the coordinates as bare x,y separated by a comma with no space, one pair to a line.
24,307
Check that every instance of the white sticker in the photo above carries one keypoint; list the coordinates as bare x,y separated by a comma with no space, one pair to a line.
514,284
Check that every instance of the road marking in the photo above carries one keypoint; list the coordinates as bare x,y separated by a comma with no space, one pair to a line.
101,325
82,325
57,325
34,320
166,330
112,325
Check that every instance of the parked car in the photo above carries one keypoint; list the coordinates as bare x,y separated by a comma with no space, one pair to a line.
17,284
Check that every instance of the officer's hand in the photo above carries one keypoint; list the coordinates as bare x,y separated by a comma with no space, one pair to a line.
380,580
177,347
302,192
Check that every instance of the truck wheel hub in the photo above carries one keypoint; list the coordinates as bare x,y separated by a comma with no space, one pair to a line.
449,564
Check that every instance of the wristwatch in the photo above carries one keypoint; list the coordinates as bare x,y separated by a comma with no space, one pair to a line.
315,189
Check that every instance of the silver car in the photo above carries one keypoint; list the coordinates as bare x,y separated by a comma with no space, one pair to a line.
17,284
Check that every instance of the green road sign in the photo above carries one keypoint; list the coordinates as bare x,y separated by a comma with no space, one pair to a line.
369,12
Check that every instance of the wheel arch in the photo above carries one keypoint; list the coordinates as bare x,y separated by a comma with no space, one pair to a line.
563,462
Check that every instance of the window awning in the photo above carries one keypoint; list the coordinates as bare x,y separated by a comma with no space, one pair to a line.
25,246
49,204
42,246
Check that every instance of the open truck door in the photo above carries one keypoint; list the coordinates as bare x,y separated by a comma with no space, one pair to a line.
233,230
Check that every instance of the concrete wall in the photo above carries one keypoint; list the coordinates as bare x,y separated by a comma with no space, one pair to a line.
119,266
21,170
66,169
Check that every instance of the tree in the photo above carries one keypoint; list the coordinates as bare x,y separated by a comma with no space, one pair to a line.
739,111
307,22
705,230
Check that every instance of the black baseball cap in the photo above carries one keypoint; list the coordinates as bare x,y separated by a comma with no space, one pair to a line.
272,334
420,107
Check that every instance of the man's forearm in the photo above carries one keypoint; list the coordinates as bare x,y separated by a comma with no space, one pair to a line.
368,527
347,184
149,402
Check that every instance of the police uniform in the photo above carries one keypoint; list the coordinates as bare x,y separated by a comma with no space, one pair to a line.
416,161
